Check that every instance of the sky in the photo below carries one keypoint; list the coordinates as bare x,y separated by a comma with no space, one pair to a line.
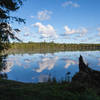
61,21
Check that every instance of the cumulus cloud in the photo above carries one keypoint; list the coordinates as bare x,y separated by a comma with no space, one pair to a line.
44,15
46,30
80,31
70,31
70,3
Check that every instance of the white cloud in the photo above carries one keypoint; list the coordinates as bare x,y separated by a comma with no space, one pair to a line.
26,31
83,31
85,40
98,29
46,30
32,16
80,31
70,31
44,15
70,3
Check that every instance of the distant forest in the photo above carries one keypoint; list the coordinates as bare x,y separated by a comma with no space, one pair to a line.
53,46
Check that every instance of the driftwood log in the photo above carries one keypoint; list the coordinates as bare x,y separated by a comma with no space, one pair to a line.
86,74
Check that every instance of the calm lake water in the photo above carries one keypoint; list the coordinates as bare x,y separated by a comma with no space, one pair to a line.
38,67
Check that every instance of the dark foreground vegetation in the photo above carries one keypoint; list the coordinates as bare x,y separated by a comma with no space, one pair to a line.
84,86
10,90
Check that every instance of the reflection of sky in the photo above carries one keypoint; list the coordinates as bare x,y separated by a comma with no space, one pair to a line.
43,78
98,61
37,67
70,62
46,63
8,66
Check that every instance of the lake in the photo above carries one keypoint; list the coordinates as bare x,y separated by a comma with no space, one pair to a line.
39,67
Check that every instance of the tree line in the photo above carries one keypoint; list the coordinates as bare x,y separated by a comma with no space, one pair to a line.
54,46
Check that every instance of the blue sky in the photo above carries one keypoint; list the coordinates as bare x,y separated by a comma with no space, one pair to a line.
67,21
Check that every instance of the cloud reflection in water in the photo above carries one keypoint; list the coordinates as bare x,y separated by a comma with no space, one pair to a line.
46,63
70,62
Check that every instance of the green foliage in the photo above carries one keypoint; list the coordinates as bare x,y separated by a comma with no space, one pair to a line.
7,6
6,31
54,46
89,94
14,90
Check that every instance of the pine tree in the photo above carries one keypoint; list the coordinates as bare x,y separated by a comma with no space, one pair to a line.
6,31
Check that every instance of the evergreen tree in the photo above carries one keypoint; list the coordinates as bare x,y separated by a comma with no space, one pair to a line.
6,31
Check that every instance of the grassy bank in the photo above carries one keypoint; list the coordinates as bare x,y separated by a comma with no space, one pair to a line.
11,90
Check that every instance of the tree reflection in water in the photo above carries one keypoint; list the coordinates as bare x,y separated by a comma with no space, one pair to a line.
2,66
